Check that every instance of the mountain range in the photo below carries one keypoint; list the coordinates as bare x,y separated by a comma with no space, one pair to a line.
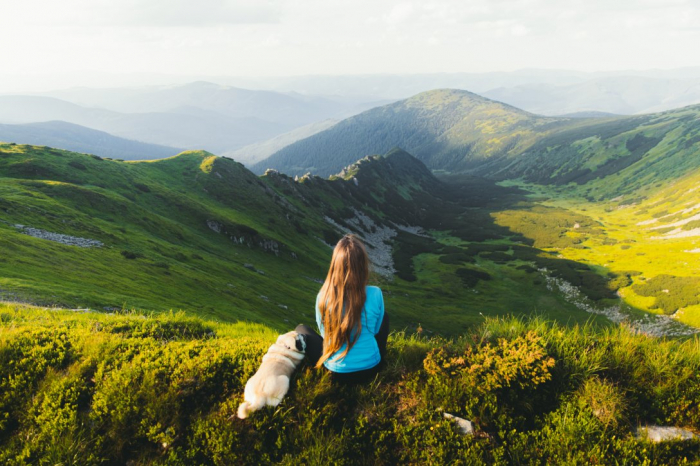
455,131
622,95
81,139
449,130
198,115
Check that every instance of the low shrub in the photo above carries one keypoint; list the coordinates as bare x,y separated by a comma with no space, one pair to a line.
89,388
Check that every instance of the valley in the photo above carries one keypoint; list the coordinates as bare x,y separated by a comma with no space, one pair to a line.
235,246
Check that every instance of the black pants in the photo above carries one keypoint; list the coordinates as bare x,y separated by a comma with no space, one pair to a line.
314,350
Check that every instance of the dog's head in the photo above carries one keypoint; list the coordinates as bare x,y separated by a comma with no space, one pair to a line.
293,341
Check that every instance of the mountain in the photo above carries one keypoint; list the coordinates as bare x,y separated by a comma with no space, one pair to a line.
622,95
449,130
179,128
198,115
541,91
289,110
259,151
459,132
77,138
589,114
612,157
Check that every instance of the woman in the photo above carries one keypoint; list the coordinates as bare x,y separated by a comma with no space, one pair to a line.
350,315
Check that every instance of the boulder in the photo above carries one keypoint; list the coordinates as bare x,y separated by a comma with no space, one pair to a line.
465,427
658,434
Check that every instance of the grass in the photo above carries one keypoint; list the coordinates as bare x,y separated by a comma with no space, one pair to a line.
89,388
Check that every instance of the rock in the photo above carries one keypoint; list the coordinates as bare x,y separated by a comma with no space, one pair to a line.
658,434
214,226
249,266
59,238
465,427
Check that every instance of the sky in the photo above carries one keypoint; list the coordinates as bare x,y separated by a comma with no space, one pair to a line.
50,44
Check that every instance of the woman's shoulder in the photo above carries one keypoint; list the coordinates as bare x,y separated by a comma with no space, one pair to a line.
374,292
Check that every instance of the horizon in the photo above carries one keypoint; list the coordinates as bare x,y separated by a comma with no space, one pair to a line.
282,83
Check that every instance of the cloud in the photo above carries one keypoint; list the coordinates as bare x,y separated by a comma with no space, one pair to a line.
400,13
200,13
170,13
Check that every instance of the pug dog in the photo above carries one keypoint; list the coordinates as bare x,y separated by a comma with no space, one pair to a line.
271,382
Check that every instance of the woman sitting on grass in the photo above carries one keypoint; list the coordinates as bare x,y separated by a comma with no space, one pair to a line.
350,315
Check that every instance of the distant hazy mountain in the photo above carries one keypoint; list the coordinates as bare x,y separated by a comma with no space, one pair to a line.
187,129
198,115
398,86
254,153
289,110
449,130
591,114
78,138
625,95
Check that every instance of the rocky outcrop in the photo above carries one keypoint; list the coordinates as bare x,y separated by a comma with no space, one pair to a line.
377,239
59,238
242,234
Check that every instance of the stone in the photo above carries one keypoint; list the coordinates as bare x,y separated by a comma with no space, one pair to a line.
214,226
658,434
465,427
59,238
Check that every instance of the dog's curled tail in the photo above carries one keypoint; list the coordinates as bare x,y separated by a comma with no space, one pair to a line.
245,408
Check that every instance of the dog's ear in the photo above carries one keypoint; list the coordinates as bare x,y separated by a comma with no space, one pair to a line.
301,343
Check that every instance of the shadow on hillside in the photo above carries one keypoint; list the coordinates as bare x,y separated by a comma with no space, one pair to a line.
468,213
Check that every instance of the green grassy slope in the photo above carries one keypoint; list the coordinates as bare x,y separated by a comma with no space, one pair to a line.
154,218
87,388
611,158
449,130
203,234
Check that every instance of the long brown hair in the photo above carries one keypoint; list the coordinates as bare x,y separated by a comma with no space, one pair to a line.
343,295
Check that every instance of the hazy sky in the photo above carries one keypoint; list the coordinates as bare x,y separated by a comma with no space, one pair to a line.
45,42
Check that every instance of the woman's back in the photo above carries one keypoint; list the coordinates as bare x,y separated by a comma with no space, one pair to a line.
365,353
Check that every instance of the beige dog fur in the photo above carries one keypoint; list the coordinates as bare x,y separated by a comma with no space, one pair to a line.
271,382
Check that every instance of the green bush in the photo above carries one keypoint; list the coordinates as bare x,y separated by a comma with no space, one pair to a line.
671,292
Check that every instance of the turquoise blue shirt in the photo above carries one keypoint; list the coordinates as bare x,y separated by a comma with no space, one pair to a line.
364,354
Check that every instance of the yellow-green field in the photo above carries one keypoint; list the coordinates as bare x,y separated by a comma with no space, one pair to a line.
654,234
